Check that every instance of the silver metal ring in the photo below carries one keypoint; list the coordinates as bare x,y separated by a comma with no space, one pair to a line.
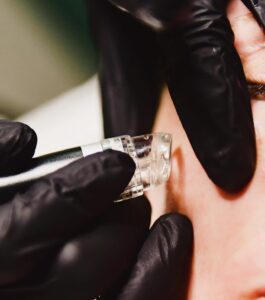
256,90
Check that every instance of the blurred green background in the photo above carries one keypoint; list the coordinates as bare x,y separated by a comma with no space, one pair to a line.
45,49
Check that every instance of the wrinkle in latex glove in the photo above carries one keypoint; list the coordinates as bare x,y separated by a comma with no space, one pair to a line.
158,14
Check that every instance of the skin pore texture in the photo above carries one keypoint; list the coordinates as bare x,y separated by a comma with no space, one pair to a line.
229,229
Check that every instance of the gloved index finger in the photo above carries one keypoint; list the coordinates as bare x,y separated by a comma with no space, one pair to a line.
57,207
208,87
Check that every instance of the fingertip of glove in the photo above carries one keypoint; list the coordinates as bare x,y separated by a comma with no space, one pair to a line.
175,234
17,145
117,166
28,138
234,181
178,228
175,220
103,175
112,158
234,172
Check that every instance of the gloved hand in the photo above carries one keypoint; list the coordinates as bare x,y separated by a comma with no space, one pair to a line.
188,44
163,264
62,237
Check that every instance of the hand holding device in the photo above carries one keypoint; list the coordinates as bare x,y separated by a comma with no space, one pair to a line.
62,237
65,226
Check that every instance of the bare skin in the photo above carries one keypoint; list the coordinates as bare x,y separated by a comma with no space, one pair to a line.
229,230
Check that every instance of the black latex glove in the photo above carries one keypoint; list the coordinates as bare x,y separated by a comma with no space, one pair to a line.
62,237
189,44
162,268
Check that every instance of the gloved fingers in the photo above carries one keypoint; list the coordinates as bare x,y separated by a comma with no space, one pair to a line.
209,89
163,264
205,79
131,75
57,207
17,146
94,261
